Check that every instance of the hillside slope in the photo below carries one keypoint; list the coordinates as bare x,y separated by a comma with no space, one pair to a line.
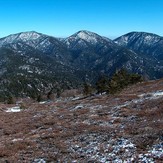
125,127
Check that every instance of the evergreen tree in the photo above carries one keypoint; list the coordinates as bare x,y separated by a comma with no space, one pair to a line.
135,78
102,85
50,95
87,89
39,98
122,79
58,92
10,100
117,82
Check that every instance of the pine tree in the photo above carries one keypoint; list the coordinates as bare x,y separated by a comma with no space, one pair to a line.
87,89
122,79
50,95
10,100
102,85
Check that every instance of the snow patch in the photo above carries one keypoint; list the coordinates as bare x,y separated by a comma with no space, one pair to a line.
78,107
142,97
40,160
29,35
18,139
13,109
155,152
87,36
114,150
43,102
152,95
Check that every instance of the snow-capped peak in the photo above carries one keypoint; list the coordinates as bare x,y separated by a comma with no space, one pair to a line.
141,37
86,36
29,36
24,36
85,39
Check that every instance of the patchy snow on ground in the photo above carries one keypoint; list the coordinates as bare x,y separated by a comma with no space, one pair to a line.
122,128
13,109
43,102
17,139
142,98
104,149
152,95
78,107
75,98
40,160
159,93
155,152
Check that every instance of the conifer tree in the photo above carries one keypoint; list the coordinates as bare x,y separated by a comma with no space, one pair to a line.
102,85
87,89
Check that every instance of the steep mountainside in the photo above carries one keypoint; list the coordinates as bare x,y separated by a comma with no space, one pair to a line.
33,73
88,48
33,63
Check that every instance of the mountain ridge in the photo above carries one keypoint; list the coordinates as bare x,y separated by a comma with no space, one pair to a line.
68,62
142,42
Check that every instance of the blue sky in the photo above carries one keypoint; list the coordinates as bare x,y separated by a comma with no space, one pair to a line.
62,18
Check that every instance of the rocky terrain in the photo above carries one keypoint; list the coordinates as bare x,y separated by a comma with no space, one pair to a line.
125,127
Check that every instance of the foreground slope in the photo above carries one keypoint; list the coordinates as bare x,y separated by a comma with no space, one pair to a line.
124,127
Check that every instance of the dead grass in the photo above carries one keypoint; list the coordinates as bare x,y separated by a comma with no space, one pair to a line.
50,130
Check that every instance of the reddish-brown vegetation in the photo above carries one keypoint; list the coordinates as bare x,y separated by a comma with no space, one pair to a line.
127,126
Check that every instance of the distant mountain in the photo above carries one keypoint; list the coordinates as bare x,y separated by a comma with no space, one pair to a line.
85,39
88,48
33,73
48,45
100,54
33,63
148,44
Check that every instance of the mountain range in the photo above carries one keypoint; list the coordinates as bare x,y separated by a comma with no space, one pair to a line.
32,63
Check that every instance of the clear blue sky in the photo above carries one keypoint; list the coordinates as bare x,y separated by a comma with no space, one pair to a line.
62,18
